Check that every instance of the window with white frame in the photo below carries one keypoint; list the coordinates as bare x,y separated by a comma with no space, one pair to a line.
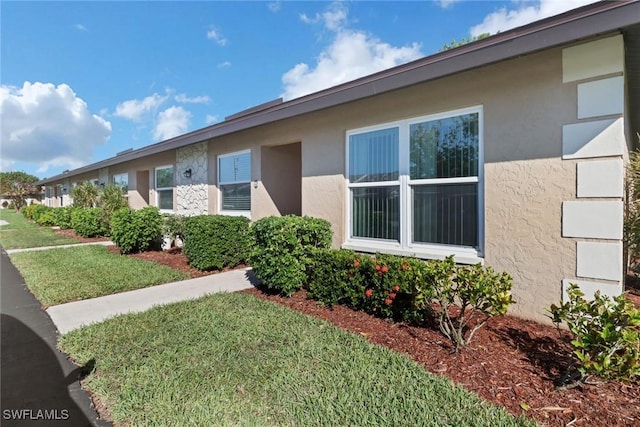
234,182
122,180
416,184
164,188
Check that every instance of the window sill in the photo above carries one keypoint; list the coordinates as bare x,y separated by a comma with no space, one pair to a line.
461,256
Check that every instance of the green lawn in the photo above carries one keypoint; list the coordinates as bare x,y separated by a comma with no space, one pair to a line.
16,220
31,238
61,275
233,359
21,233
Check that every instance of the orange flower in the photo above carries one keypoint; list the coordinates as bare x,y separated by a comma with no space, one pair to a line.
384,269
377,267
356,263
392,295
388,301
368,292
396,288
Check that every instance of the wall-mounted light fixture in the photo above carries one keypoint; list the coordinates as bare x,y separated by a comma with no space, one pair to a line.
255,184
102,184
187,173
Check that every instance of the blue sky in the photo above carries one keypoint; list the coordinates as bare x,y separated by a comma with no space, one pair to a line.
81,81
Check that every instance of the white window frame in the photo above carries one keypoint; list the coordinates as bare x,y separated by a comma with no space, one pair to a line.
462,254
159,189
232,212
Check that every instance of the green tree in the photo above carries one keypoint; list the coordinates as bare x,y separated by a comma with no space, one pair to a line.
18,186
454,44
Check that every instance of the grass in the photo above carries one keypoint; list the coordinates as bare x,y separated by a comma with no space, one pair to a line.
233,359
15,219
62,275
21,233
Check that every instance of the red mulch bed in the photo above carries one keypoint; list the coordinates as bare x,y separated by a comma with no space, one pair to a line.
511,362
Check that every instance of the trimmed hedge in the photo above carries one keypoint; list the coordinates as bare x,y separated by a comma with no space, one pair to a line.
34,211
89,222
283,250
382,285
63,216
412,290
136,230
216,241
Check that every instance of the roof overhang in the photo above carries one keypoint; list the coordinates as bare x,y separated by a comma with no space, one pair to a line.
590,21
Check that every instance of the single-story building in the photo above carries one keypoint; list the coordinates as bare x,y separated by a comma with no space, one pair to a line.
509,151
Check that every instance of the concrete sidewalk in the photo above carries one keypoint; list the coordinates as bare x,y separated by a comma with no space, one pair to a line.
73,315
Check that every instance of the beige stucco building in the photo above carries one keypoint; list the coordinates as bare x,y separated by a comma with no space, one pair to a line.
508,151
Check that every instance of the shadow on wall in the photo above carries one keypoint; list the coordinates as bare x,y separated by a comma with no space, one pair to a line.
34,388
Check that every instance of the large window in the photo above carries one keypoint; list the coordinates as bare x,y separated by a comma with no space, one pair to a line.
164,188
122,181
234,182
415,184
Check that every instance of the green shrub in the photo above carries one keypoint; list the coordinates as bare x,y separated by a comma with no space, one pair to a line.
460,298
111,199
283,249
34,211
28,211
88,222
47,218
479,293
135,230
606,333
85,195
216,241
63,216
382,285
173,226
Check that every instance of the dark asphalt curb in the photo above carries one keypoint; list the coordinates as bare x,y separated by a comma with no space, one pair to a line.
39,385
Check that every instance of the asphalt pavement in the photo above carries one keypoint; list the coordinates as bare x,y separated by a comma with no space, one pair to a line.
39,385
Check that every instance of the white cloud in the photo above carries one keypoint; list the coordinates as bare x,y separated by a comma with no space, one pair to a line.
274,6
225,64
171,122
134,109
49,126
215,35
80,27
352,54
446,3
334,18
526,12
184,99
210,119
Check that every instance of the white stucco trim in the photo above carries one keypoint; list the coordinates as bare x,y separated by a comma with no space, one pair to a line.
601,98
594,59
611,290
592,219
602,178
600,138
596,260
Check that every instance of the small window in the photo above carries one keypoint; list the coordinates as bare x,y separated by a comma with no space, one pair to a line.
122,181
164,188
234,181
